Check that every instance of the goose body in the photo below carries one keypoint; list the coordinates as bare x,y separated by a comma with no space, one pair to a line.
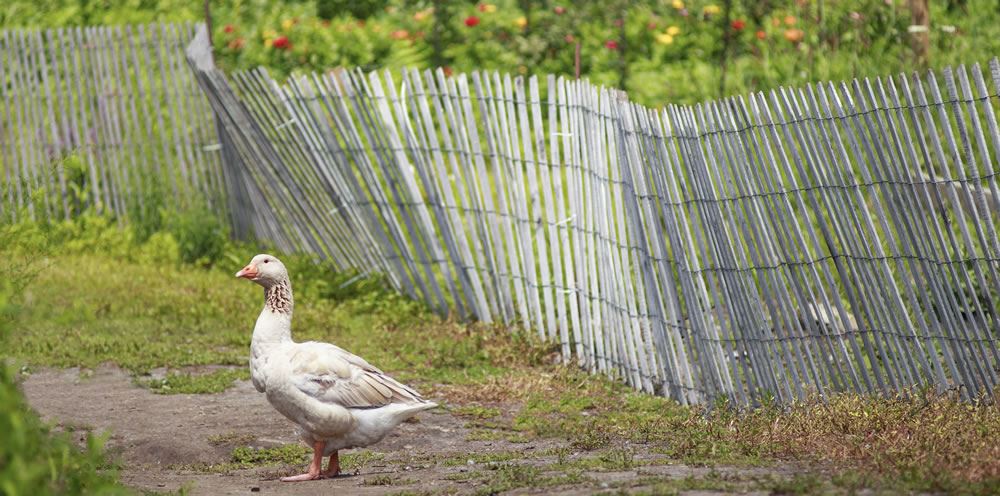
337,399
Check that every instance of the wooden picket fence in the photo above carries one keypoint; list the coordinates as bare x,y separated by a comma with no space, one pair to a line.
837,237
107,119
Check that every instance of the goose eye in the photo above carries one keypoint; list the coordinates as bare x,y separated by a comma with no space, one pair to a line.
266,261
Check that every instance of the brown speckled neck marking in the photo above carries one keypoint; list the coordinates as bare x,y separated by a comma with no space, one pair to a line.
278,298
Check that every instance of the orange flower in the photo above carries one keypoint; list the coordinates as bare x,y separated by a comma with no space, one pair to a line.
423,14
228,29
761,35
400,34
237,43
794,35
738,24
790,20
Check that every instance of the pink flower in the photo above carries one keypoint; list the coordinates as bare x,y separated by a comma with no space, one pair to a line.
611,45
471,21
559,10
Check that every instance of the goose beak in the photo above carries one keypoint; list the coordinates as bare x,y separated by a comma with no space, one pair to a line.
248,272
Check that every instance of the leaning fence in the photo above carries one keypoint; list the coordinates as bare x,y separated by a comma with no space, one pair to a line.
836,237
107,119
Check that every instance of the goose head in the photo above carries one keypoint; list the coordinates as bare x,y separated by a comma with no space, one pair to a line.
265,270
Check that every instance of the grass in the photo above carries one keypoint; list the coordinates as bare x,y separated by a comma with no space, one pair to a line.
88,309
212,382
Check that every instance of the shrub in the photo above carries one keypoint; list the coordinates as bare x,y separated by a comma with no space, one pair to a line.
199,233
33,459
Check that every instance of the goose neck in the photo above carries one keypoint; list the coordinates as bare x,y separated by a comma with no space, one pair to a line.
278,297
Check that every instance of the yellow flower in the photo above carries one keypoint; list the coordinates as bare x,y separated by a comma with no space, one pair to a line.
269,33
268,42
677,4
664,38
673,30
711,9
521,22
489,8
287,24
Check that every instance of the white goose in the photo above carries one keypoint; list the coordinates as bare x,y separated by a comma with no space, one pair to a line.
337,399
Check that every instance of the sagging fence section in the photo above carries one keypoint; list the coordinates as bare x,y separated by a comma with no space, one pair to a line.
103,118
838,237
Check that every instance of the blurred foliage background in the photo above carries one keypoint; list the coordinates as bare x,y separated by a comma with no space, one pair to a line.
661,51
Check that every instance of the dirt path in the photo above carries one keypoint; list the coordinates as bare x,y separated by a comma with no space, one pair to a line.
171,441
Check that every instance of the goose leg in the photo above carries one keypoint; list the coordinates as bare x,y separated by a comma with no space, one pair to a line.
314,467
333,467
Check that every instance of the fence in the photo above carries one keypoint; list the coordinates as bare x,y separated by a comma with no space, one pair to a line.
103,118
838,237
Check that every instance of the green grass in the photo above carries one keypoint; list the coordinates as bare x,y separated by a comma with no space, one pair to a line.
212,382
84,309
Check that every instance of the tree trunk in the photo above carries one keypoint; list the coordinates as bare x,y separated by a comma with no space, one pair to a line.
920,23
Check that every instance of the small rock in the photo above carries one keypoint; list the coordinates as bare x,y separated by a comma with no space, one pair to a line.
407,468
604,485
407,446
470,462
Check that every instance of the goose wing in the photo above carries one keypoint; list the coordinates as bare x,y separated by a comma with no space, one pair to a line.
333,375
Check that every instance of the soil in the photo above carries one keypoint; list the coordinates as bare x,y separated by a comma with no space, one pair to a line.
169,442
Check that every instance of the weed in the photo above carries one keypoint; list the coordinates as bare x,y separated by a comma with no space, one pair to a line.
231,438
476,412
377,480
289,454
482,458
360,459
213,382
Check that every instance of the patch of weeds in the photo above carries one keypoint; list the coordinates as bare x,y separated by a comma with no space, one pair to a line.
592,436
485,435
462,476
360,459
517,438
619,458
665,485
289,454
476,412
378,480
483,458
508,476
210,383
234,438
799,484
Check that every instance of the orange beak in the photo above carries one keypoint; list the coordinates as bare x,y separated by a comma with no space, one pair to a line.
248,272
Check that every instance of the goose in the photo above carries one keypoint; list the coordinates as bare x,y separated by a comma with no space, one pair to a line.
337,399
